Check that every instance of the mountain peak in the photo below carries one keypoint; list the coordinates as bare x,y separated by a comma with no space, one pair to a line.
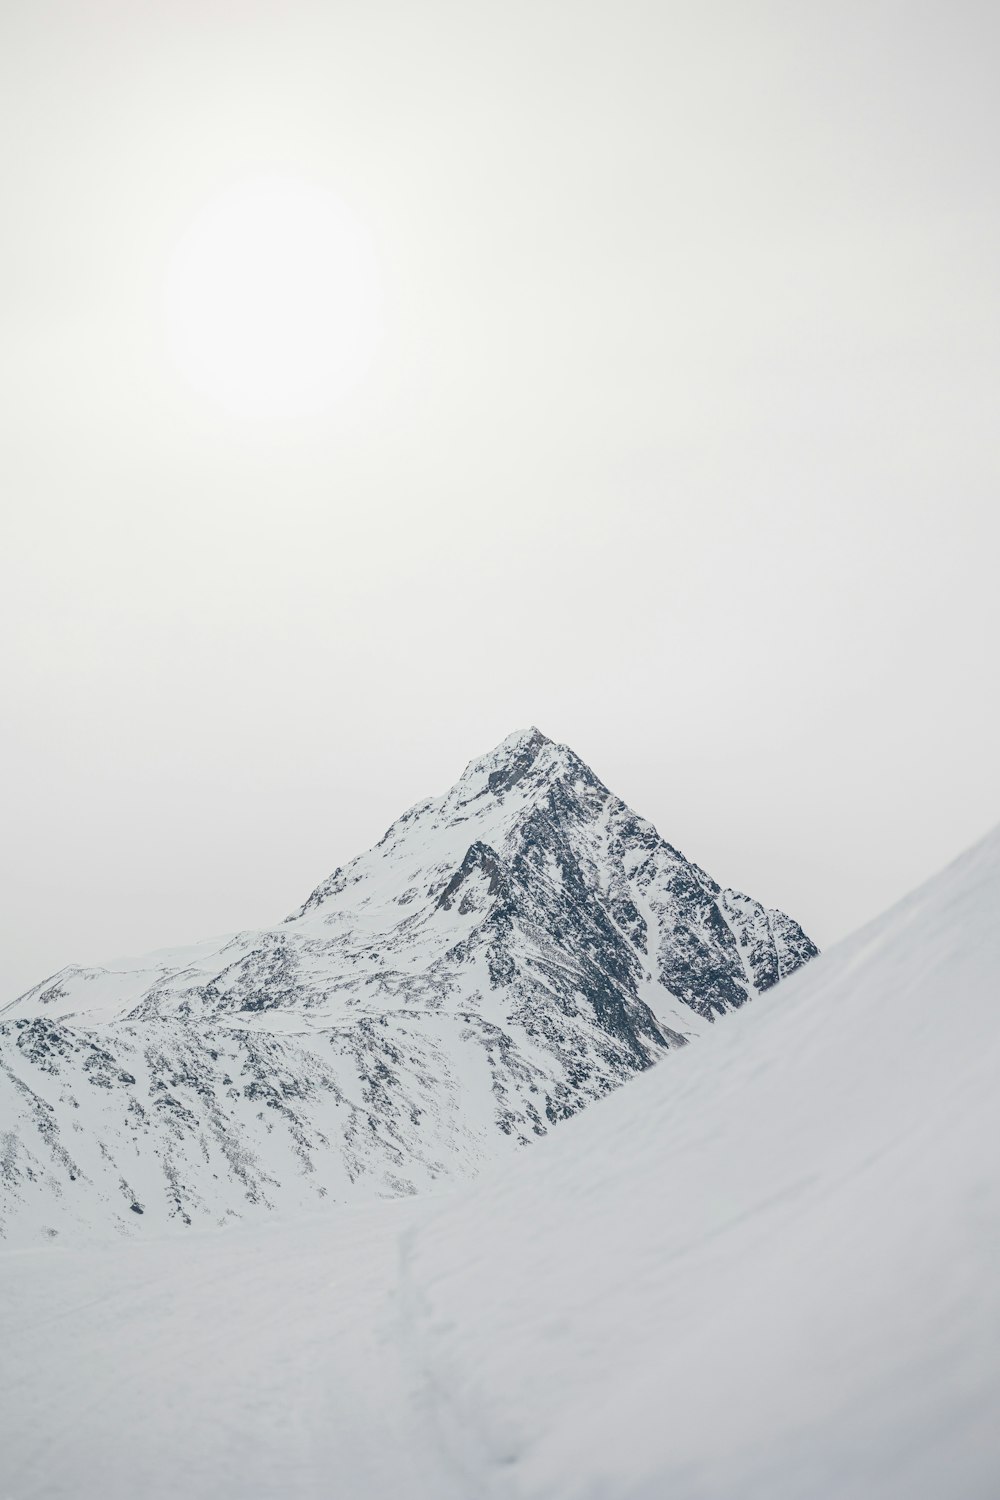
503,766
522,738
506,953
522,744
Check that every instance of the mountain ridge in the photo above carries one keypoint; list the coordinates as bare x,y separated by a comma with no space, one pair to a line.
506,953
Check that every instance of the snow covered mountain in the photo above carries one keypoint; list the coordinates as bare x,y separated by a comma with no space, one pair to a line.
765,1270
506,954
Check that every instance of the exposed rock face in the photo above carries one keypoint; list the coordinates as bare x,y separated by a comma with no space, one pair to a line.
505,954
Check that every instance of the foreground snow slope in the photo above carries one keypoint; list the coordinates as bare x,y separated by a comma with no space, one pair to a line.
506,954
764,1271
770,1269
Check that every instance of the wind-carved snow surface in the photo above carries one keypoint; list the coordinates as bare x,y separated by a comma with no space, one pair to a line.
767,1270
506,954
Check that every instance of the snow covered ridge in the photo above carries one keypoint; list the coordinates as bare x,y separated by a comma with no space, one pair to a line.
506,954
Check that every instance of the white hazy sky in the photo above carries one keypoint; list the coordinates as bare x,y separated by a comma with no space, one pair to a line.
680,442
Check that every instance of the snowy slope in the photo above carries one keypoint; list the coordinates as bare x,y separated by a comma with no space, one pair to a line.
766,1270
506,954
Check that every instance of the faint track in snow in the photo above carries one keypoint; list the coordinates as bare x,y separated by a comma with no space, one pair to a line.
482,1464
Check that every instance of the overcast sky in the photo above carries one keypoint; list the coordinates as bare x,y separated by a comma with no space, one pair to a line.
679,439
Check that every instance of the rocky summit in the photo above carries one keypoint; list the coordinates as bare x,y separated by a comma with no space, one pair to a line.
506,954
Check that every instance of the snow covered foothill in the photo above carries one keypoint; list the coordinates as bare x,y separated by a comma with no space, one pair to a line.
765,1270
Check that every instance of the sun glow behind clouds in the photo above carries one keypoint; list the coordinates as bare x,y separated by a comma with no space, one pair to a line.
273,305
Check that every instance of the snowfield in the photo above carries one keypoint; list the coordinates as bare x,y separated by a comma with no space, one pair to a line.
765,1269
